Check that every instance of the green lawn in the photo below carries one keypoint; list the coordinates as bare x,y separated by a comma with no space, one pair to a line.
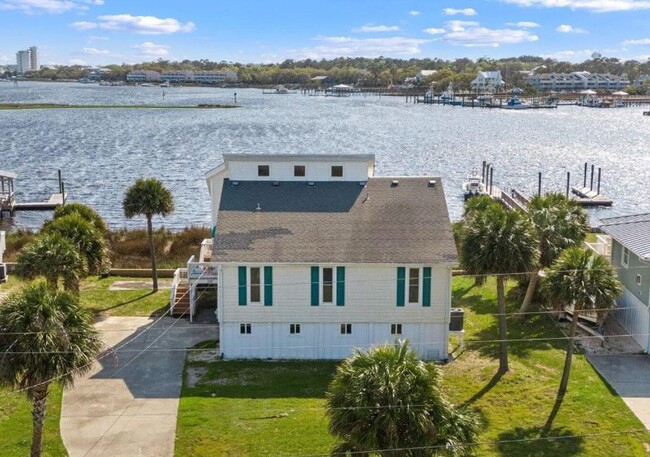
275,408
96,296
16,425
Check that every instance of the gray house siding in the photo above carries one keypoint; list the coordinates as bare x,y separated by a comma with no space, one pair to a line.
628,275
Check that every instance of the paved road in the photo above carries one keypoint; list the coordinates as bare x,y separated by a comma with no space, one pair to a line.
629,375
128,404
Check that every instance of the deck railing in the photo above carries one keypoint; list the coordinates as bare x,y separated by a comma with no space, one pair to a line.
180,275
602,245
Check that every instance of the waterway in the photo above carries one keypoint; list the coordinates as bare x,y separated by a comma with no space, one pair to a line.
101,152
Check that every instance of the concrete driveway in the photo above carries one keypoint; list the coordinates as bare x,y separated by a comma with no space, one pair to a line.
128,404
629,375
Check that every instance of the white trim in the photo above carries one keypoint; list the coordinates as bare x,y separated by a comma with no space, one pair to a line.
342,177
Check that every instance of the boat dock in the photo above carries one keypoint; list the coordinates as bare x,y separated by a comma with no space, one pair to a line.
8,203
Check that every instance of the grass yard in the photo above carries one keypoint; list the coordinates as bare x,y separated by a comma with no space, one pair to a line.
96,296
16,425
251,408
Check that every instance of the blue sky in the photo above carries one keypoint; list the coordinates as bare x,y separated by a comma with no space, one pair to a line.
113,31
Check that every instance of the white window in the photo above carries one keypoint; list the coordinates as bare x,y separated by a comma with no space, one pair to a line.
395,329
245,329
625,258
346,329
255,288
294,329
639,280
328,284
414,285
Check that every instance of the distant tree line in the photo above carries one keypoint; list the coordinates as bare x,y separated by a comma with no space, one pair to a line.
368,72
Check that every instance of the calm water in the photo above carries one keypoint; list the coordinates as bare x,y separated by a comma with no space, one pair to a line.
101,152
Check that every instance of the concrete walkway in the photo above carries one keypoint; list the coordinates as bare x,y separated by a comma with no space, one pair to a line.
128,404
629,375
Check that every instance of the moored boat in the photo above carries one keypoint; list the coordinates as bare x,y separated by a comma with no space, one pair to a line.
474,186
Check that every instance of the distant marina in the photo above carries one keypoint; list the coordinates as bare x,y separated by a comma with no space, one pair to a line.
101,151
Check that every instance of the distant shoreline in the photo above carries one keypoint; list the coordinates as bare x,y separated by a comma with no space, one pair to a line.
24,106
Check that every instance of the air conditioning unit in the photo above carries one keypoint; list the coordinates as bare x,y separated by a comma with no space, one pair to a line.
457,320
3,272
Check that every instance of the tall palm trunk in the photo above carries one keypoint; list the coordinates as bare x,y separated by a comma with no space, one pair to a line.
532,285
152,252
503,345
71,285
569,355
39,399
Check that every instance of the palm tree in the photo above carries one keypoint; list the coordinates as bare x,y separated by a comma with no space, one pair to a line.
45,337
387,399
148,196
584,280
52,256
83,235
560,223
85,212
502,243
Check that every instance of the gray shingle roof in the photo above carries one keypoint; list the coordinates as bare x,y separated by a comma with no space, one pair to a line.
335,222
633,232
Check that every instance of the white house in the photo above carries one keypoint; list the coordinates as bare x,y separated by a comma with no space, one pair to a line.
487,79
422,74
316,256
143,76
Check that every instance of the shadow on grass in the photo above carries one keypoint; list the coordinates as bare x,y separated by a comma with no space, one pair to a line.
477,396
128,302
538,442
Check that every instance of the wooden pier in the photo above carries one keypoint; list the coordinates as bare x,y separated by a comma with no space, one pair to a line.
8,203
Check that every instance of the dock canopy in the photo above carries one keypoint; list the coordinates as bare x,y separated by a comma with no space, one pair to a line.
7,174
620,93
588,92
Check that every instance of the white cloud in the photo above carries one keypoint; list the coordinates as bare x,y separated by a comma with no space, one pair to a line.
83,25
77,62
640,42
94,2
565,28
483,37
342,46
462,11
414,13
150,49
97,38
369,28
523,24
434,31
6,59
143,25
96,52
38,6
459,26
598,6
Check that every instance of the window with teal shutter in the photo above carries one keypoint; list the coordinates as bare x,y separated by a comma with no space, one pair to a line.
426,286
340,286
315,273
268,286
401,284
242,286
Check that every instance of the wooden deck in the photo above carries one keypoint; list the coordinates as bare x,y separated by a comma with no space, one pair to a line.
54,201
589,197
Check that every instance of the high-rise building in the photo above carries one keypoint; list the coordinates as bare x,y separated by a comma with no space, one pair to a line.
33,59
27,60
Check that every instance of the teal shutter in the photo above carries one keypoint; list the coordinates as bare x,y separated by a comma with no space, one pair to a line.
242,286
426,286
268,286
340,286
315,273
401,283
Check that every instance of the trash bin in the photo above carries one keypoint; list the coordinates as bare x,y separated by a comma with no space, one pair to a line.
457,319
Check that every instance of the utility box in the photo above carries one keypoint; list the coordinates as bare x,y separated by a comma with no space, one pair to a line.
457,320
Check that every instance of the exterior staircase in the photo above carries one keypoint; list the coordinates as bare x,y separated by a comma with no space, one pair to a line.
181,306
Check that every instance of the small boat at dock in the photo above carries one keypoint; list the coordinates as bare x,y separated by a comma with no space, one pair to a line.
279,90
646,113
515,103
474,185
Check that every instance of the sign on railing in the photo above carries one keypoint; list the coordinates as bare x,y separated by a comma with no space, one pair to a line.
199,271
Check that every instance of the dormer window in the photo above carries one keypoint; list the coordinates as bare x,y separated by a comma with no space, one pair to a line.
263,170
299,170
337,171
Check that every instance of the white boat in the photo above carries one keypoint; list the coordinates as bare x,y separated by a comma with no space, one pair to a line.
474,185
146,85
279,90
515,103
165,84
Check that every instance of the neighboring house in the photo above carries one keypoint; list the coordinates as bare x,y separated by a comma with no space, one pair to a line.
487,79
423,74
316,256
577,80
143,76
630,255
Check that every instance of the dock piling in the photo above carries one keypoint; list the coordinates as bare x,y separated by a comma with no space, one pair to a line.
568,182
598,191
60,191
539,184
491,178
584,183
591,185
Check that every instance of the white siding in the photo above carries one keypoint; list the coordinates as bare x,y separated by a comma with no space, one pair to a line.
634,318
283,171
370,306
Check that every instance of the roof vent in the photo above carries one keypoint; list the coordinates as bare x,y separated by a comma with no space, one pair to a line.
362,184
394,183
276,183
432,183
235,183
259,208
310,183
